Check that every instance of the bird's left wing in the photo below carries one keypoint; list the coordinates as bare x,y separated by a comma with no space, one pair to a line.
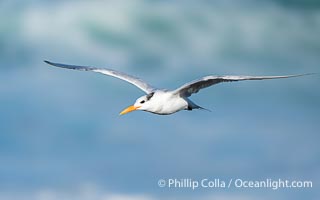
147,88
193,87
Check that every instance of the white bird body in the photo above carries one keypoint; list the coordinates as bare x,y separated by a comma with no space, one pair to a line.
165,102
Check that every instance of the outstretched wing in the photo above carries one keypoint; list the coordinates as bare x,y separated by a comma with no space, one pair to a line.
147,88
193,87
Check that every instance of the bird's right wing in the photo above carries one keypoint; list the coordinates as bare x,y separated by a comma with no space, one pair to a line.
131,79
193,87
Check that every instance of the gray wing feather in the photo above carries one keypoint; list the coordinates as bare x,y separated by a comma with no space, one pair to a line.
131,79
193,87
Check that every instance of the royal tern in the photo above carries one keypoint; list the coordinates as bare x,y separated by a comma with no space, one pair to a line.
165,102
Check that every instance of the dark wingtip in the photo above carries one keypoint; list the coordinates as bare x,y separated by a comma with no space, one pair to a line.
48,62
314,73
51,63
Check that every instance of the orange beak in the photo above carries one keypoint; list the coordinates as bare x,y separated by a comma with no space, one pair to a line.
129,109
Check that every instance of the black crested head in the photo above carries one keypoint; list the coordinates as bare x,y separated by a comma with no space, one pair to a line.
149,96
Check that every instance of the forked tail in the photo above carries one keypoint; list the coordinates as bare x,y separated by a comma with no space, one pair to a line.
192,105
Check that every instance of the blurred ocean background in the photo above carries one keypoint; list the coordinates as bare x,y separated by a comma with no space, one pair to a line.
61,137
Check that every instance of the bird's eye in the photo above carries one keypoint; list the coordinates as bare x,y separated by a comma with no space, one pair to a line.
142,101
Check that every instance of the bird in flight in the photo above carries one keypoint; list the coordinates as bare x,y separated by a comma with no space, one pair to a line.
165,102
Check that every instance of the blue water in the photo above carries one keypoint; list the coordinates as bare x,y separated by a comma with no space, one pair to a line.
60,133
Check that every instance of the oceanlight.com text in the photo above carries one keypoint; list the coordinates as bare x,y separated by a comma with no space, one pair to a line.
217,183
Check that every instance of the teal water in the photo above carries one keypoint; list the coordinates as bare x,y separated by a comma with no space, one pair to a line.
60,133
